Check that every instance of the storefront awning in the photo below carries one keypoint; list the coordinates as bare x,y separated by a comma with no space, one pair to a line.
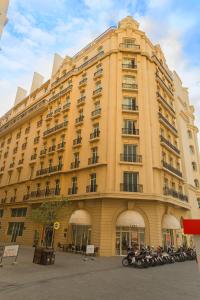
80,217
130,218
170,222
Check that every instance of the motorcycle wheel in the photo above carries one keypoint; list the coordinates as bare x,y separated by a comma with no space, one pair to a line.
125,262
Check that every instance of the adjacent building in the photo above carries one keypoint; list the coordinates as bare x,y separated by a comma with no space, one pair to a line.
3,14
113,132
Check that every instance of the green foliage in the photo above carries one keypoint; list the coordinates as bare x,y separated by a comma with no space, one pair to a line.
47,213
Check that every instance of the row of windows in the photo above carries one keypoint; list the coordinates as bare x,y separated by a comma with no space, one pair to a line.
18,212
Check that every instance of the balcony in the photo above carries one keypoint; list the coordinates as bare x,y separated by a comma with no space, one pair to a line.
61,93
3,200
79,120
131,158
56,128
13,199
95,134
26,197
130,131
129,107
167,123
129,86
97,92
66,107
24,115
77,141
96,113
169,144
164,85
91,188
43,193
83,82
73,190
50,169
172,192
129,47
36,140
33,156
43,152
171,168
166,104
57,111
98,73
81,100
52,148
49,116
125,187
75,164
129,66
93,160
61,146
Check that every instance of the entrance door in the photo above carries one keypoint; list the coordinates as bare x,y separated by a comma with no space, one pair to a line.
128,237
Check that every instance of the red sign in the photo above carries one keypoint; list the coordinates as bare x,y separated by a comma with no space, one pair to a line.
191,226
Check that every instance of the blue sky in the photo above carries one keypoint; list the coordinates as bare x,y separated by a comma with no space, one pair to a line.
39,28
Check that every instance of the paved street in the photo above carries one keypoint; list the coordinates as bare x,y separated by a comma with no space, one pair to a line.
103,278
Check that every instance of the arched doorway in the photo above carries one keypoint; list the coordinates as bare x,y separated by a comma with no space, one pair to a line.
80,222
170,230
130,231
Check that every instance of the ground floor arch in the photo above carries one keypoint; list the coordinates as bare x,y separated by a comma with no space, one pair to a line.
130,231
171,231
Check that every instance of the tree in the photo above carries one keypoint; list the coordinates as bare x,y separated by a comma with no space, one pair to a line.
46,215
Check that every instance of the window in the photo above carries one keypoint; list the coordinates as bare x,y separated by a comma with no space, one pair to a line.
1,213
129,127
129,80
57,190
130,153
129,103
166,182
130,181
196,183
129,42
194,166
18,212
190,134
191,149
93,185
128,63
198,202
15,228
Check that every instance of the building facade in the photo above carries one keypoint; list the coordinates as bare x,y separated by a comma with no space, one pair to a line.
104,133
3,14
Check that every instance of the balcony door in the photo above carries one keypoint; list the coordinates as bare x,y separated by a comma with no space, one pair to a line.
131,181
130,152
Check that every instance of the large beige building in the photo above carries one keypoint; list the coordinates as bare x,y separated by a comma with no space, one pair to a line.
3,14
112,131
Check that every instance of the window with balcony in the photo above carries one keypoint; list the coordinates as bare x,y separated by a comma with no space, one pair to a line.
75,164
130,153
93,184
131,182
74,187
94,156
129,103
128,63
96,131
129,82
129,127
